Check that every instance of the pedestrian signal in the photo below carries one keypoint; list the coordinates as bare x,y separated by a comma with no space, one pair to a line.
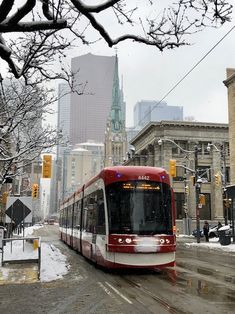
46,166
217,179
202,199
172,167
35,190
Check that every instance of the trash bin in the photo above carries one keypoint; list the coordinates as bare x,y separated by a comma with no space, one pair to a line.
224,238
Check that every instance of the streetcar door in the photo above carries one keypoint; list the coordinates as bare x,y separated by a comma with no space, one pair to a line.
82,219
93,247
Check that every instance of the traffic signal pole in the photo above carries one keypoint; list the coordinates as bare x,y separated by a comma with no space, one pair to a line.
197,190
225,196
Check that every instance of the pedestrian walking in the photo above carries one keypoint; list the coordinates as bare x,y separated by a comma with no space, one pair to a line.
206,231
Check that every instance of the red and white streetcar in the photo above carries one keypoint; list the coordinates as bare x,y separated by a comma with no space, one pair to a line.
123,217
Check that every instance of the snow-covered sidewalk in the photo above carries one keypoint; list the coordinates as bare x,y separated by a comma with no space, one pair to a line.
213,243
54,264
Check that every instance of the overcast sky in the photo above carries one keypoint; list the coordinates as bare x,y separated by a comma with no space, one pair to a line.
149,74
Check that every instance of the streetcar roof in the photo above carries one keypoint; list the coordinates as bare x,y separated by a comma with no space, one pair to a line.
122,173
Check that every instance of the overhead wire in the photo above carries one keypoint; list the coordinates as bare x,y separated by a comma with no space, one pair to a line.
196,64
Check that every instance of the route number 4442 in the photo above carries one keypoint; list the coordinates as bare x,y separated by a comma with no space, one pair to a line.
143,178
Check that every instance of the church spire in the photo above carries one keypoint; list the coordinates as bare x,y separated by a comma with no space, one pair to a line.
115,138
116,115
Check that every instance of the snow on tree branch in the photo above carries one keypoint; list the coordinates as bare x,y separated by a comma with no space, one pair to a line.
47,25
23,138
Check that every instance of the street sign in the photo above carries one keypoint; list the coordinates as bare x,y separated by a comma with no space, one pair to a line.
19,209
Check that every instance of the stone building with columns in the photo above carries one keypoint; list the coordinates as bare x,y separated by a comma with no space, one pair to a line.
178,141
230,84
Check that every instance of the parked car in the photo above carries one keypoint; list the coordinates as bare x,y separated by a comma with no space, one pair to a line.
214,232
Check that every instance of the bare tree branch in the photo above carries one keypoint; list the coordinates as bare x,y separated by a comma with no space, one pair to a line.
56,19
22,136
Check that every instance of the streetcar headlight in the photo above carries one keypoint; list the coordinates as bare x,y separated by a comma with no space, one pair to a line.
162,241
120,240
128,240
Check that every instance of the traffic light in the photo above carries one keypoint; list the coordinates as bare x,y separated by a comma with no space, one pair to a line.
4,197
46,167
172,167
217,179
193,180
35,190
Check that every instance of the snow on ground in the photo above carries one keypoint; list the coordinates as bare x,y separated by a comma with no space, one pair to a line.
53,263
213,244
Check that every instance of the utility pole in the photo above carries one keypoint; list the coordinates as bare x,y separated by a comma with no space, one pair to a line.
225,195
197,190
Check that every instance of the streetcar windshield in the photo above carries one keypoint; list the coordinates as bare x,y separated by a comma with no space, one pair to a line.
139,207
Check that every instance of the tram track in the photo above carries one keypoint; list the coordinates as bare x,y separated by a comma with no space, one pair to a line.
161,301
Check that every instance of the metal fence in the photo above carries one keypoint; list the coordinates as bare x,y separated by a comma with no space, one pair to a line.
36,245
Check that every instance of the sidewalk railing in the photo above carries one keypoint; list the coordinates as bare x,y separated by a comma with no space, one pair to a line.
35,241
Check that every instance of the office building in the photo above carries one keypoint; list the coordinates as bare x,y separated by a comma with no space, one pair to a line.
63,119
150,110
90,109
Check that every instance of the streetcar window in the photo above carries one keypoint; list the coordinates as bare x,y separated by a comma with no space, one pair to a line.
100,214
139,207
77,215
94,217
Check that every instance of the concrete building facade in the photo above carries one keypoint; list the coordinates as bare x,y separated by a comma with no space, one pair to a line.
230,84
63,118
177,137
90,108
80,164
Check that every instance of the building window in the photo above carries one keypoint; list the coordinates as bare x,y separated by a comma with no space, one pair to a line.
205,211
184,146
174,150
180,174
179,205
205,150
227,174
205,173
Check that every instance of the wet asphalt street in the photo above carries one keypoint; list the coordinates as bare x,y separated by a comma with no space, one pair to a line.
203,281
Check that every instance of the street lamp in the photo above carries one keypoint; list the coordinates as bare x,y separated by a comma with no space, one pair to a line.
198,180
160,141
